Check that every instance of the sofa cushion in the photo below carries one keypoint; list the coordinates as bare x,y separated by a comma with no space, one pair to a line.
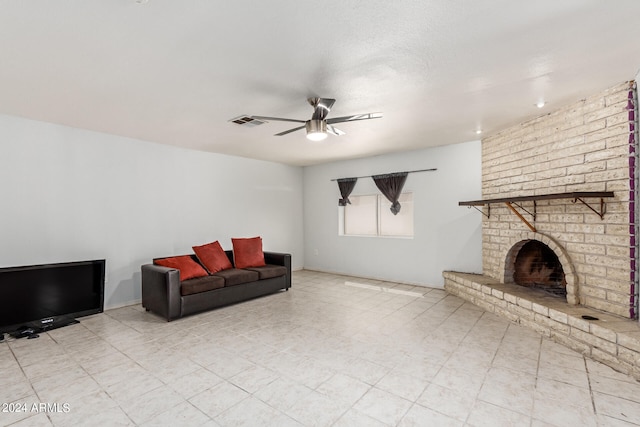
236,276
188,268
212,257
200,284
269,271
248,252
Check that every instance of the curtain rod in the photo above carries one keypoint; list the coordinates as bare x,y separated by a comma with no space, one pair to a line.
369,176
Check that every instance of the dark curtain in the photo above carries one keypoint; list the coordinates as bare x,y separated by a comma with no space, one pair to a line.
346,187
391,186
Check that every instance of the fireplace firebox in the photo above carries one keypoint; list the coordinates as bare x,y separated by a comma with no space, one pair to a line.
536,265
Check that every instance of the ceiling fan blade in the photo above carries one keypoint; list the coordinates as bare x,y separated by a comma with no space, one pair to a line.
335,131
289,131
278,119
321,107
354,118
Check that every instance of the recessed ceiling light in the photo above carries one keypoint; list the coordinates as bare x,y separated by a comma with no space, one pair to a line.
479,131
540,104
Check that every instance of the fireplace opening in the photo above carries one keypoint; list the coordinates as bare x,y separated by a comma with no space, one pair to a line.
536,265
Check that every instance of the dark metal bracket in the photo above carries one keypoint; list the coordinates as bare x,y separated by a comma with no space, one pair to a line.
488,214
603,209
533,214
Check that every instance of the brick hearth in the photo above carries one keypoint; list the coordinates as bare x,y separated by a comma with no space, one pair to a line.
612,340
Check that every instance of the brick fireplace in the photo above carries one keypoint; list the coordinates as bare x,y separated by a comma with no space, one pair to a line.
579,254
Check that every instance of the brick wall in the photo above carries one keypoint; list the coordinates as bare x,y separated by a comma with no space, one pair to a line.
583,147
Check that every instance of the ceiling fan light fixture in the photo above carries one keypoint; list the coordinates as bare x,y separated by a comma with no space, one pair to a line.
319,126
316,130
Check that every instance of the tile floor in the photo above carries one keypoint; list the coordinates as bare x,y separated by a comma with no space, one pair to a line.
333,351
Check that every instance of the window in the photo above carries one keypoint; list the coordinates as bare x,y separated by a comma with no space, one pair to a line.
369,215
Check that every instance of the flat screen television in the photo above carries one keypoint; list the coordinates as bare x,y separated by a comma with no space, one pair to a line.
43,297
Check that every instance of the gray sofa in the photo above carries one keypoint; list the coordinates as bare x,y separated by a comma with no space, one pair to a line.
165,294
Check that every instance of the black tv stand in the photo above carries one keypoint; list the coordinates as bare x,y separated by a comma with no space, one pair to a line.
24,331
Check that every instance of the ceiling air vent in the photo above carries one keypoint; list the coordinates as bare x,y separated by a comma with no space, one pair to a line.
247,121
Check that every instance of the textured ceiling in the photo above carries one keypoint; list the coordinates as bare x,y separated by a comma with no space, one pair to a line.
175,72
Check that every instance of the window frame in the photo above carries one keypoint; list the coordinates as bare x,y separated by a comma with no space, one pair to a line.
380,204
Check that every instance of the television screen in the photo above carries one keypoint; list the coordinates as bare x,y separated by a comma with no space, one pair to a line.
48,296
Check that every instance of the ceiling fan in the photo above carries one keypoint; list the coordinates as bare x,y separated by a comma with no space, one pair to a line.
318,127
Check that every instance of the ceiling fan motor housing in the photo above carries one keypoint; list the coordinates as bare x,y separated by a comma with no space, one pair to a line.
316,129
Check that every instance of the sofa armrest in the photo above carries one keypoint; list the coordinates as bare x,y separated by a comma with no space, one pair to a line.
277,258
161,290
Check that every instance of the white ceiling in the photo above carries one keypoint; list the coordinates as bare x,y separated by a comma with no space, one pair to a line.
175,72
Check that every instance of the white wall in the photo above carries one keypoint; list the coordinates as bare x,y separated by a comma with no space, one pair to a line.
69,194
446,236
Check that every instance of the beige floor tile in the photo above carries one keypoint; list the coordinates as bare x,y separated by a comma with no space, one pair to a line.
419,416
363,370
563,414
218,399
573,361
195,383
16,390
253,412
14,411
282,393
37,420
228,367
578,378
513,360
308,371
253,378
128,388
353,418
606,421
486,414
446,401
562,392
116,417
617,407
403,385
144,407
598,369
344,389
183,414
89,410
617,388
316,409
509,389
459,379
383,406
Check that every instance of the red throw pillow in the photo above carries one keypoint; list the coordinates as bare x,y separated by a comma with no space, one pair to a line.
213,257
248,252
189,269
